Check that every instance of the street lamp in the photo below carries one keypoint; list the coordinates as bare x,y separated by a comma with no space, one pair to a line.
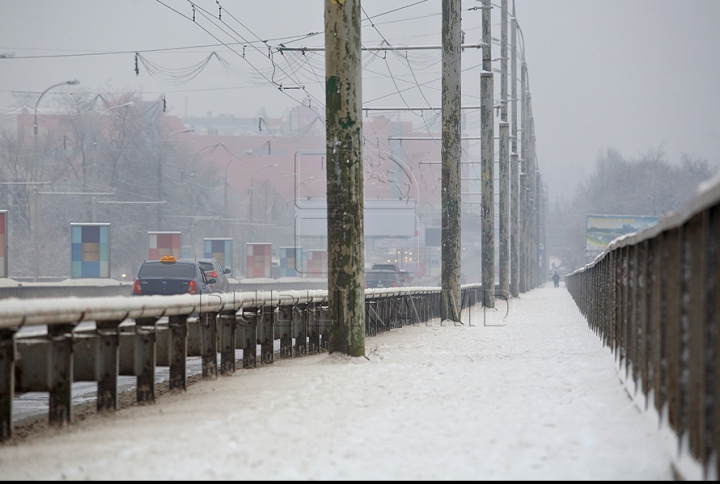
250,190
33,203
159,173
126,105
68,83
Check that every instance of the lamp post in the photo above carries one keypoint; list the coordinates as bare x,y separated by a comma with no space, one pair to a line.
66,83
33,199
159,174
127,105
250,190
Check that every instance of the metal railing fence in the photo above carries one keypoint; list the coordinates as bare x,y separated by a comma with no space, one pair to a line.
129,338
654,298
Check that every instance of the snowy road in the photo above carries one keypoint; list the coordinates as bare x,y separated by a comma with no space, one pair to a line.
535,397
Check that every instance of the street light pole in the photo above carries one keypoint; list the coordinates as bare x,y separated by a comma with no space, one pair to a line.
127,105
160,176
33,195
68,83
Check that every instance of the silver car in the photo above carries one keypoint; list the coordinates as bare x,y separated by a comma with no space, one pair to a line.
214,270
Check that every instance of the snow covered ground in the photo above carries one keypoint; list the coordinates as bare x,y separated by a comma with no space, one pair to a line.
531,397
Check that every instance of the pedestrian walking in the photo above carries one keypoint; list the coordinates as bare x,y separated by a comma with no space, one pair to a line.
556,279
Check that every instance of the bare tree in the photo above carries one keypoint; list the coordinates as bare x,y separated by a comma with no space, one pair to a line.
647,186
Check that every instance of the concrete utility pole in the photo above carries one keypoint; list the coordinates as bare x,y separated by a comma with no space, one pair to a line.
523,265
530,191
514,171
450,154
504,207
345,204
532,176
487,212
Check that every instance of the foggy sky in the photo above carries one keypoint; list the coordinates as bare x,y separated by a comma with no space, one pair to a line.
630,74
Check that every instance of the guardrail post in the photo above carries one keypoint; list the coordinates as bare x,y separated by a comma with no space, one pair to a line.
300,324
324,326
7,382
283,330
145,364
227,342
178,351
108,364
246,337
266,334
314,327
208,337
60,373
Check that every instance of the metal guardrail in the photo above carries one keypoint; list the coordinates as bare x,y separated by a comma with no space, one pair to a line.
129,340
101,288
654,299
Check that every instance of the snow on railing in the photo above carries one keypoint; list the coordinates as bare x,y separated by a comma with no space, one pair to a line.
654,299
128,338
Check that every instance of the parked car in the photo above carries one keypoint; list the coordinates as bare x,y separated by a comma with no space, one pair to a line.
169,276
382,278
214,270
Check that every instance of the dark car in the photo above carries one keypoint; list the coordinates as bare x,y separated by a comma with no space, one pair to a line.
382,278
405,276
169,276
214,270
385,267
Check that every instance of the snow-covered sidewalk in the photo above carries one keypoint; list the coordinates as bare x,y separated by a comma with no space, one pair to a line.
534,397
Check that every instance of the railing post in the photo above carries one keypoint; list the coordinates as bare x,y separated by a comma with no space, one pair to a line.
61,373
283,330
109,355
145,365
246,337
208,338
7,382
266,334
713,343
695,261
656,326
300,329
314,327
178,351
673,350
227,342
631,342
642,315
